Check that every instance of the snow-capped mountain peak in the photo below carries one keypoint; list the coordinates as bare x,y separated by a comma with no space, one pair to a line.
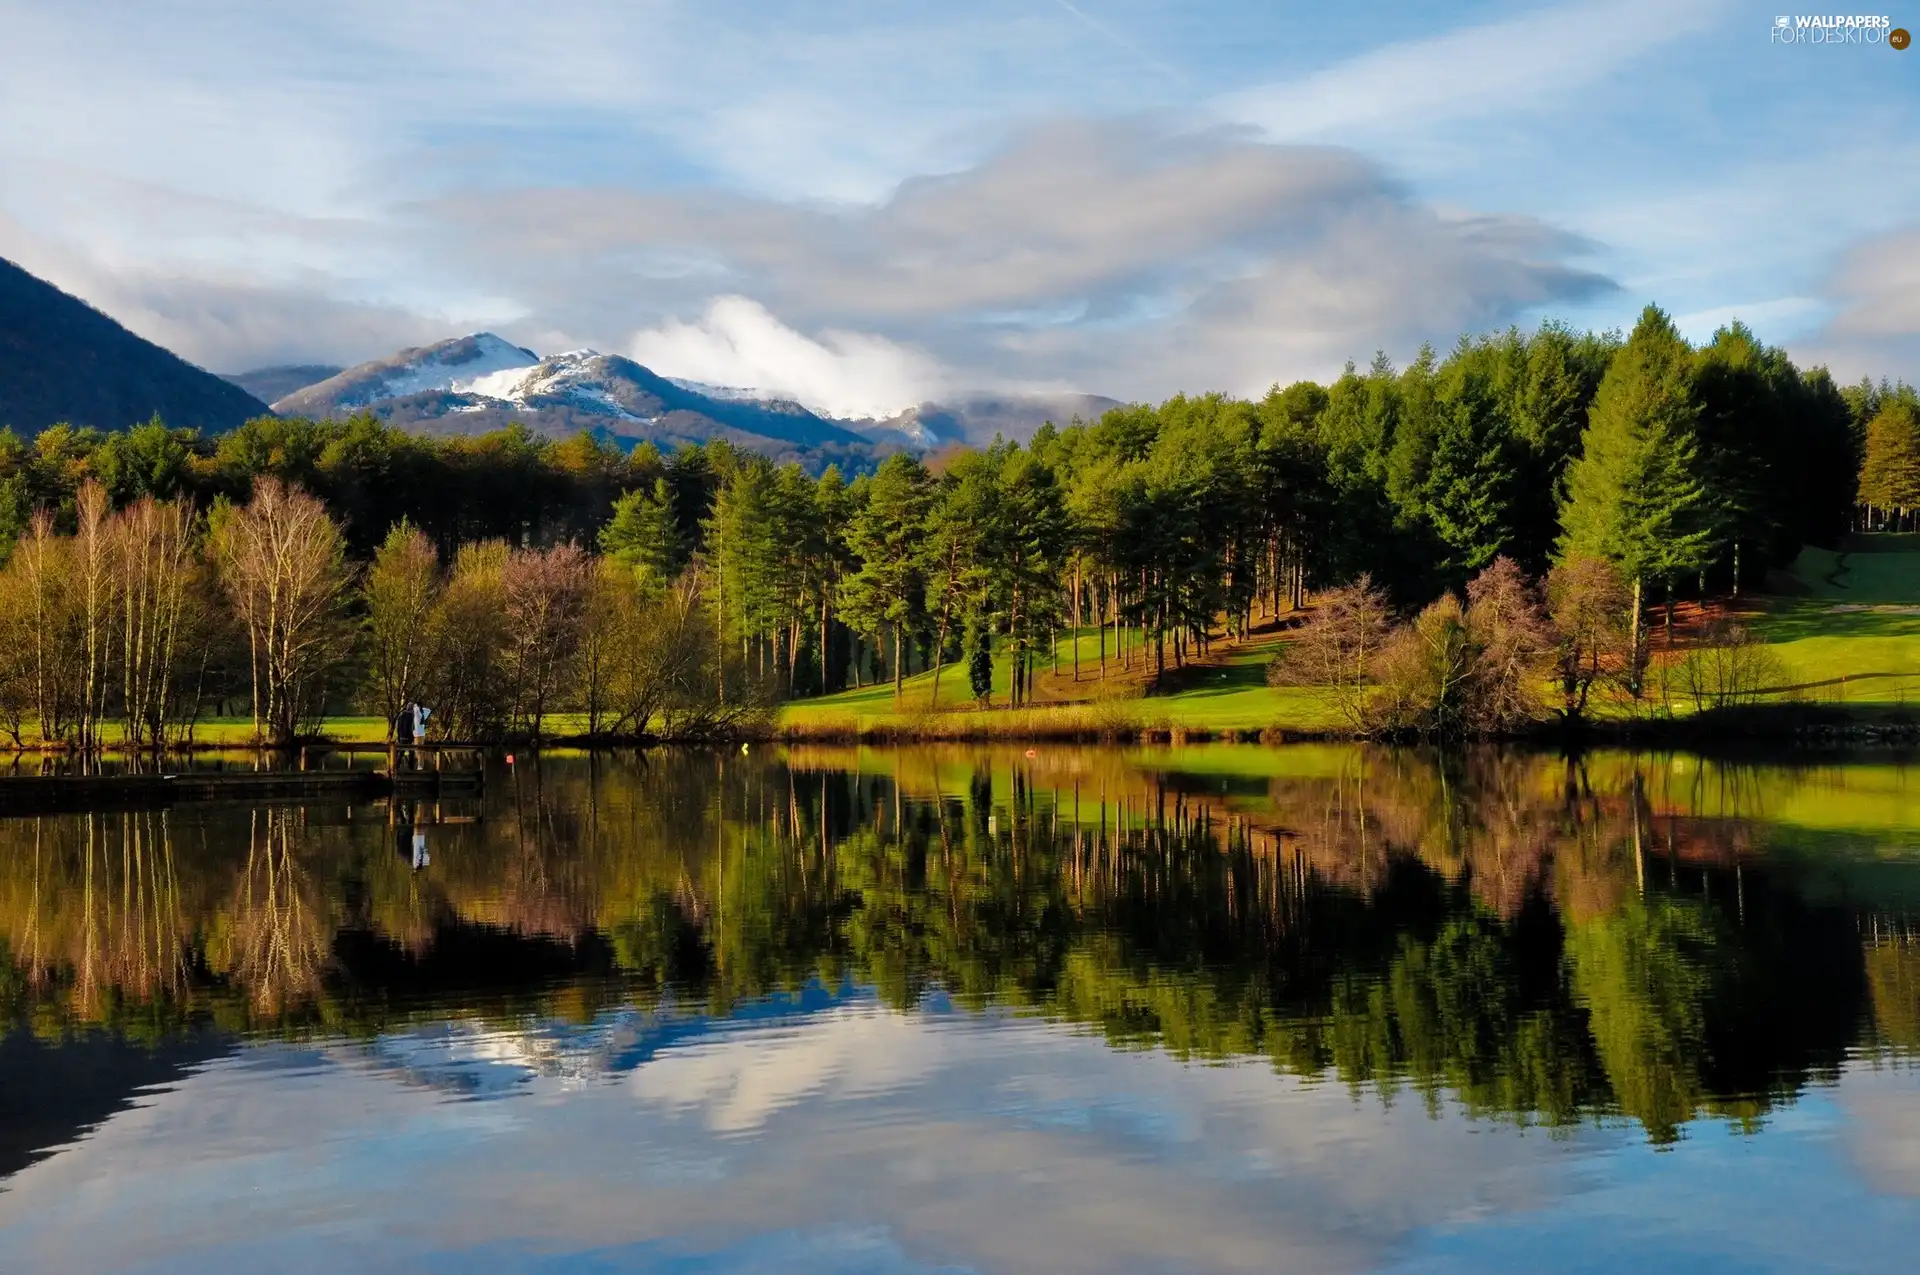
443,366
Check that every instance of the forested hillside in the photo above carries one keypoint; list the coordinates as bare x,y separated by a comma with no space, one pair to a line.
61,360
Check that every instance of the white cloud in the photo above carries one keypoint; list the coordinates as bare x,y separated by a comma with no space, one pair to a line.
738,342
1124,258
1874,297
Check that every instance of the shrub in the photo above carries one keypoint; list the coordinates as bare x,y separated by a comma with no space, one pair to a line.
1459,670
1338,647
1732,667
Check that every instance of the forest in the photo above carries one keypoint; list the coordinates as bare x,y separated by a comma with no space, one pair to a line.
1489,536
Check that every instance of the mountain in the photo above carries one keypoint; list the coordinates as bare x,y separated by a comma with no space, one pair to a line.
270,383
476,383
63,360
473,384
445,366
974,419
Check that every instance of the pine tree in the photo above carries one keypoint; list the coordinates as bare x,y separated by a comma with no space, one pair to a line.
980,662
1637,495
644,535
1468,490
886,537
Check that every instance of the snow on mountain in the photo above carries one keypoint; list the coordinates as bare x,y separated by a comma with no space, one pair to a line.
587,378
446,366
475,383
729,393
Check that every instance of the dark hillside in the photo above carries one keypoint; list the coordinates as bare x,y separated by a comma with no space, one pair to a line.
63,360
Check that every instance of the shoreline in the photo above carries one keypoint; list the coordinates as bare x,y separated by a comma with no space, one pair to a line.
1799,725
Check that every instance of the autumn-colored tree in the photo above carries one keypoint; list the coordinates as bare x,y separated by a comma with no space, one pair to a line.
49,653
466,677
95,587
400,593
1587,604
1890,470
546,593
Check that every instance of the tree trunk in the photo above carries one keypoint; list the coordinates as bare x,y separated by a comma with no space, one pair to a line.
940,654
1634,671
1100,619
826,684
1078,584
896,664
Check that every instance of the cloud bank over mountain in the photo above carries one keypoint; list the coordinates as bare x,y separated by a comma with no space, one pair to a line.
738,343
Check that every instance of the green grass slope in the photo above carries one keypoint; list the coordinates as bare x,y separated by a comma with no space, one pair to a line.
1847,628
1227,692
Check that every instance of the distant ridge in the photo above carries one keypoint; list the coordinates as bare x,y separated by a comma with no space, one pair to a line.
270,383
61,360
474,383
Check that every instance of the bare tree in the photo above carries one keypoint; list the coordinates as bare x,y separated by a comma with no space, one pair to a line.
1512,648
282,561
546,595
1586,600
158,575
1455,670
1337,647
401,592
687,669
95,582
16,658
612,631
50,651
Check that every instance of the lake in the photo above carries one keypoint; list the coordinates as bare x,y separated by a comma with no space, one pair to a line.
973,1009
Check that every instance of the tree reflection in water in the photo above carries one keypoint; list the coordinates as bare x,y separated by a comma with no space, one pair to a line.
1538,940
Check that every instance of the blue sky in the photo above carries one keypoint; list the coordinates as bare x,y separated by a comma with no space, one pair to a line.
869,203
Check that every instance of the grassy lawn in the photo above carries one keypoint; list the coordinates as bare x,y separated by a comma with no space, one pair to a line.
238,731
1845,627
1849,632
1225,691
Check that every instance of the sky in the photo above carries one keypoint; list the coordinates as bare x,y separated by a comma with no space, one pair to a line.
867,204
858,1139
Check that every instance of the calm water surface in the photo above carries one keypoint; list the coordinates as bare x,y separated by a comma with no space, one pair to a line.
1220,1009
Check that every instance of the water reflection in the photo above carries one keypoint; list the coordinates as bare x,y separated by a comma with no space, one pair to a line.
1536,941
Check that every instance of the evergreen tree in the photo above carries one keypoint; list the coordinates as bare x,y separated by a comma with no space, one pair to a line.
1637,495
886,536
1467,492
980,662
644,534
